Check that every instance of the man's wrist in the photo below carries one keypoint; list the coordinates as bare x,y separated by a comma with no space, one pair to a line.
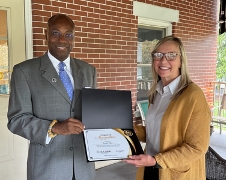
50,133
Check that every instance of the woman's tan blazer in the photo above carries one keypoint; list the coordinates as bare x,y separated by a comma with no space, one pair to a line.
184,137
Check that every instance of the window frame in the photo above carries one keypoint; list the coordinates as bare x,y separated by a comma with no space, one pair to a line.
153,24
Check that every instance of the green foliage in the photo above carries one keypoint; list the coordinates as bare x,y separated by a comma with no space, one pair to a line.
147,48
221,56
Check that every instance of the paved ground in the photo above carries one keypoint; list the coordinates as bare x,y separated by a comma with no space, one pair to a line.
218,143
117,171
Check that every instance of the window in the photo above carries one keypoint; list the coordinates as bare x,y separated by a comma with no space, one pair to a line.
4,67
154,22
147,38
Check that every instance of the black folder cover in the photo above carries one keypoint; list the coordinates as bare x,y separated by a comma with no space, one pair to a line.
109,109
103,109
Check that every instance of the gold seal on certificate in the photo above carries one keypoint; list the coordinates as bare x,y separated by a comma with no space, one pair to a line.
108,144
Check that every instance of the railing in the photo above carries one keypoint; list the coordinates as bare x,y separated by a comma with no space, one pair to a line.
219,88
143,86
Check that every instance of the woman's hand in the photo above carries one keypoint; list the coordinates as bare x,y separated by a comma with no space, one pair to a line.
141,160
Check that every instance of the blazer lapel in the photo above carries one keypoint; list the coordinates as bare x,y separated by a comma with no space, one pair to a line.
51,75
164,125
78,78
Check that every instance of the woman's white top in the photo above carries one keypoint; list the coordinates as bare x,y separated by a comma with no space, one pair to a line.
155,114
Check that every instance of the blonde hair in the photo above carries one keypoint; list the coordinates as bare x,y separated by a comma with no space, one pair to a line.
185,79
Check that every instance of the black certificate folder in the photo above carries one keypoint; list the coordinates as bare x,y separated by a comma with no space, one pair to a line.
102,109
107,116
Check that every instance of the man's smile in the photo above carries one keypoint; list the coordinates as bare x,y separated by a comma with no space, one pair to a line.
61,47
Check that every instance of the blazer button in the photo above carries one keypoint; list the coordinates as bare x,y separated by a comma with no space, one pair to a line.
71,148
73,109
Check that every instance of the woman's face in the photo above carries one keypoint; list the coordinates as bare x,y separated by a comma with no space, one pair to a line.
168,70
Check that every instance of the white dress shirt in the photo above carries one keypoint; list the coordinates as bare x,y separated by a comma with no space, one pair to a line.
67,68
155,114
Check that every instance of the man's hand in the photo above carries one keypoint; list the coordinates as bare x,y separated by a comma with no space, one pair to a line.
69,126
141,160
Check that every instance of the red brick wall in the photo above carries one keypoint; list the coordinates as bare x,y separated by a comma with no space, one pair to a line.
106,37
197,28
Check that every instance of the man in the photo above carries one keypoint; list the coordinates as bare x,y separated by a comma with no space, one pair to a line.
45,107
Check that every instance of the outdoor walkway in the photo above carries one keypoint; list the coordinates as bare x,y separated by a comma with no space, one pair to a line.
218,143
117,171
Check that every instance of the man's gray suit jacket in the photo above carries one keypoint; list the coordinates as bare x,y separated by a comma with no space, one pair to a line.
37,97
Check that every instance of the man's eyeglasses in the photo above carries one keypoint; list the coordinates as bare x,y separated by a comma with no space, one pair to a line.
68,36
170,56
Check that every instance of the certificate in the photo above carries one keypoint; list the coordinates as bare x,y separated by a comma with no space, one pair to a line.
108,119
109,144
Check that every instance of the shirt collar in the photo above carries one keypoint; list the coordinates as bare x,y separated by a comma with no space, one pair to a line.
56,62
159,87
172,86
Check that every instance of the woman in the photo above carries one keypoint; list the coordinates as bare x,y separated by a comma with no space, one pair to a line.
177,122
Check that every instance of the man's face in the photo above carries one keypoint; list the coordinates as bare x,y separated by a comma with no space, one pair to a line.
60,37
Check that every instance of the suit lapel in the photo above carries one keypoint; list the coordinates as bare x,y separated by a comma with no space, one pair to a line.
51,75
78,79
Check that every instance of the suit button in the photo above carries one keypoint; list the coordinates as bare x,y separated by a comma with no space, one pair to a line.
73,109
71,148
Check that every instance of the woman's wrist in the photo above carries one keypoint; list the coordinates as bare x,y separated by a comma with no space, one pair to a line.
156,164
